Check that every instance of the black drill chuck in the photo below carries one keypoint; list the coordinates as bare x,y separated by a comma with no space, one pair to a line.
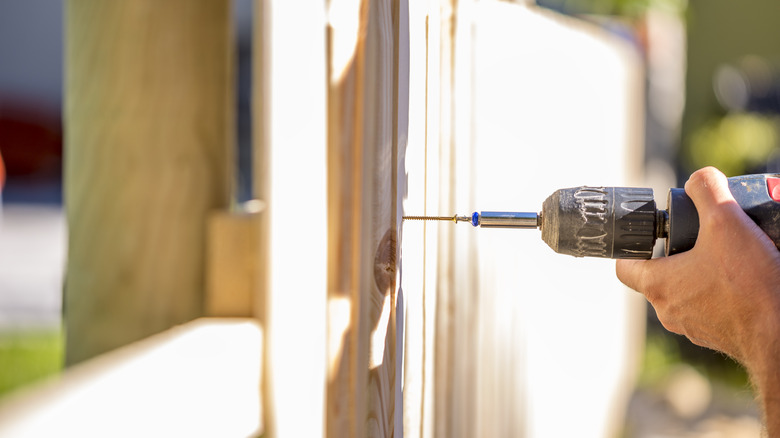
609,222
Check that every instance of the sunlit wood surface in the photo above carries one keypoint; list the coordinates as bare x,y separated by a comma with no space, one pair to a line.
199,379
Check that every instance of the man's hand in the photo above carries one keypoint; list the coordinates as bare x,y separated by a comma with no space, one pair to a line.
724,293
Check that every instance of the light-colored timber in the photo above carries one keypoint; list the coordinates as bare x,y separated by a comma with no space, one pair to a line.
367,118
199,379
148,116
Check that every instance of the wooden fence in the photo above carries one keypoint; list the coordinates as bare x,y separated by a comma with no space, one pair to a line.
362,110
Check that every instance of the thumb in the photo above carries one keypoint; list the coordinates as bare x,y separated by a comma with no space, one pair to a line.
708,188
638,274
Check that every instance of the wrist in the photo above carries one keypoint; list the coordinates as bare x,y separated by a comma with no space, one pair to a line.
770,403
762,365
762,362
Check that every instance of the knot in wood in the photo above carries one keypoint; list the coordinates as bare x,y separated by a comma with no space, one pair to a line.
385,262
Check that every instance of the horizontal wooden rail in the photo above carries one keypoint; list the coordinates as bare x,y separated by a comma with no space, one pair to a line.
198,379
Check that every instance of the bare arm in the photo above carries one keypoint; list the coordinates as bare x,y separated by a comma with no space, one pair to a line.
724,293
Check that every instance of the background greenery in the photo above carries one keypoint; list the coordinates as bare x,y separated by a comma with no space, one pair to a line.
27,356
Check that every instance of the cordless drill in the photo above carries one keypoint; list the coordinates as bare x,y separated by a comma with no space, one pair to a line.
624,223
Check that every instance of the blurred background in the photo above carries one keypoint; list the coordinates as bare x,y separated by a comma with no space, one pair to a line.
712,90
33,232
32,226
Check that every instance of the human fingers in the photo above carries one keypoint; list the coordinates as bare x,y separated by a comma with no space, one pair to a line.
646,276
709,190
708,187
658,280
632,273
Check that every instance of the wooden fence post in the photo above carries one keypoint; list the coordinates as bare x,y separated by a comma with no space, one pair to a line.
148,116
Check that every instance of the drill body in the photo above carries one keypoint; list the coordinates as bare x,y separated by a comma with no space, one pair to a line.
624,222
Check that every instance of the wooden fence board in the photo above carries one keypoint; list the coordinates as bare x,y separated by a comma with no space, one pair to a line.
148,111
290,141
488,145
364,142
196,379
233,245
359,109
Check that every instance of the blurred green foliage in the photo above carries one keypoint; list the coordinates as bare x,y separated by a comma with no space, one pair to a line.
661,354
27,356
664,351
735,143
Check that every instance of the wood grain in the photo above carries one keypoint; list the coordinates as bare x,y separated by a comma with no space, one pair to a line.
148,111
364,141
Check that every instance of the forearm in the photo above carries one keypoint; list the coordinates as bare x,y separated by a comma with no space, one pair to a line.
768,389
763,365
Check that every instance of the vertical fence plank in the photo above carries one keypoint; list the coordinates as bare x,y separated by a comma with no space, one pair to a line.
400,141
290,115
413,239
367,82
148,115
421,251
379,236
347,349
